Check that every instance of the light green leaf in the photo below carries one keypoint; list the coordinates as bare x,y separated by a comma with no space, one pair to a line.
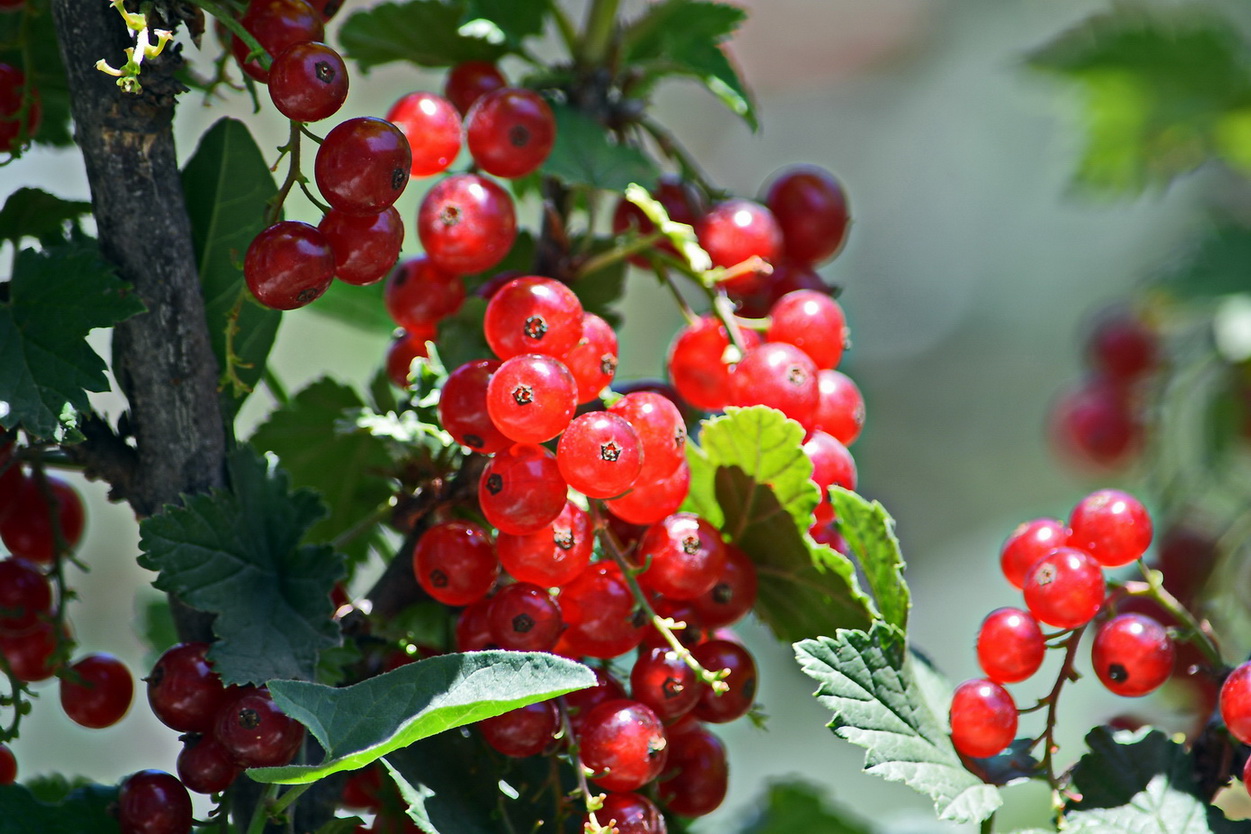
360,724
584,154
866,680
870,532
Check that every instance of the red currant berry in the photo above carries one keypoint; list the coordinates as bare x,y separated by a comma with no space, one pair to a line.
432,127
8,766
524,617
1028,543
684,556
629,813
255,731
183,690
593,360
526,731
840,406
12,90
326,8
153,802
648,503
531,398
473,627
732,595
204,766
463,408
288,265
469,81
716,655
553,556
599,454
97,691
697,363
25,595
365,246
786,278
30,653
1122,346
1094,426
599,610
510,132
624,743
403,350
1010,645
578,705
466,224
660,429
532,315
362,165
832,465
1065,588
780,376
1235,703
665,682
1132,654
363,788
1112,526
735,230
277,25
419,294
26,528
983,718
521,490
308,82
455,563
812,322
700,773
811,211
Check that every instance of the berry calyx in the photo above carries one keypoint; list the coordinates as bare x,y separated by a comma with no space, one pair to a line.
553,556
531,398
524,617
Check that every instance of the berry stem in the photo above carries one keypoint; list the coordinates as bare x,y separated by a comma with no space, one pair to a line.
618,253
673,149
565,26
662,273
229,375
223,16
274,213
593,802
1052,700
597,38
1193,631
285,801
261,812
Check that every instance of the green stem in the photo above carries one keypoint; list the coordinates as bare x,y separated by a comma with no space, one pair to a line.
275,386
565,26
1193,630
283,802
293,173
364,525
618,253
223,16
261,812
1052,701
601,25
988,825
662,273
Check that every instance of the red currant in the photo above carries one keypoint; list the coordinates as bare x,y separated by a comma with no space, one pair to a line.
432,127
680,201
1028,543
983,718
780,376
735,230
1132,654
599,610
1094,425
648,503
466,223
473,627
840,406
532,315
404,349
1112,526
665,682
700,773
599,454
510,132
593,360
717,655
1235,703
624,743
1065,589
205,766
553,556
365,246
811,211
832,465
524,617
578,705
277,25
308,82
363,788
183,690
1010,645
97,691
419,294
697,365
455,562
812,322
469,81
30,654
288,265
521,490
153,802
463,408
629,813
8,766
12,90
255,731
362,165
683,554
531,398
26,528
526,731
25,596
1122,345
660,429
732,595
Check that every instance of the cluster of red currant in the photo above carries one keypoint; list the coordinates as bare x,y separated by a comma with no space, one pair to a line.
1099,423
1059,567
13,95
41,521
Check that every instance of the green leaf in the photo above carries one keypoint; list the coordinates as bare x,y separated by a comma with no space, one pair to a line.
870,531
1140,781
751,478
584,154
360,724
228,185
30,212
85,810
1216,266
155,625
684,37
342,825
45,71
503,21
55,299
600,291
360,307
1164,90
237,554
866,680
799,808
425,32
348,468
460,334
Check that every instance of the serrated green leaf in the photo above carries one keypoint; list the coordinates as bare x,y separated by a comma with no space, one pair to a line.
1140,781
870,531
38,41
56,297
866,680
1165,89
751,478
85,810
360,724
1214,267
349,469
228,185
799,808
31,212
237,554
425,32
684,37
584,154
503,21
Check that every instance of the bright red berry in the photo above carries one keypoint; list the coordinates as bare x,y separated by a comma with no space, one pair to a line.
466,223
811,211
532,314
1065,588
277,25
600,454
600,612
1028,543
812,322
697,773
288,265
153,802
593,360
660,429
308,82
624,743
419,294
683,555
455,562
531,398
983,718
553,556
780,376
1010,645
432,127
97,690
1132,654
648,503
735,230
365,246
510,132
665,682
1235,703
840,406
521,490
1112,526
524,617
700,362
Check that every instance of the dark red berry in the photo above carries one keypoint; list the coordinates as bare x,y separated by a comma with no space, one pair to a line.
8,766
526,731
699,773
578,705
665,682
288,265
983,718
308,82
277,25
1122,345
153,802
26,528
466,223
455,562
96,691
363,788
463,408
629,813
30,654
524,617
735,230
255,731
12,90
183,690
362,165
25,595
205,766
469,81
732,595
811,211
510,132
473,627
419,294
1094,425
719,708
624,743
365,246
404,349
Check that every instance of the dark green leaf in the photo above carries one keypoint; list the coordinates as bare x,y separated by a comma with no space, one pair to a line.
1013,765
600,291
1214,267
156,625
45,71
503,21
237,554
751,478
460,335
228,184
684,37
585,154
348,468
360,724
1140,781
799,808
424,32
85,810
56,298
870,532
342,825
30,212
866,680
360,307
1165,89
